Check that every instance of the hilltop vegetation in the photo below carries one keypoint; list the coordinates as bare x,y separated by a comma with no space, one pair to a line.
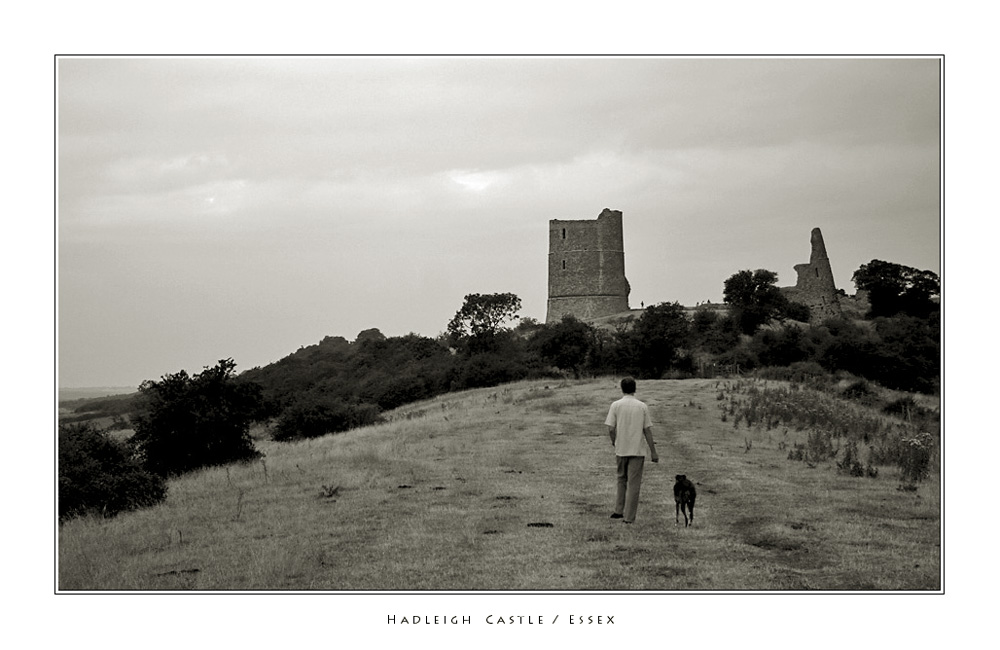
183,423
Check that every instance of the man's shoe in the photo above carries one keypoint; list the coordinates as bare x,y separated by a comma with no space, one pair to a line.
615,515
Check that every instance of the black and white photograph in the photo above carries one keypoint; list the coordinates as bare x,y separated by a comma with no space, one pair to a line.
434,325
499,323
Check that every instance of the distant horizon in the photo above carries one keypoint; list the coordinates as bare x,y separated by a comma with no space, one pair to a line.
94,391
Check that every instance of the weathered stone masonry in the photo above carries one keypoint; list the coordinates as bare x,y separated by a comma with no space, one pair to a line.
815,287
587,267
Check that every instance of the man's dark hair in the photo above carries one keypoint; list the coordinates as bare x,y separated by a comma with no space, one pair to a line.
628,386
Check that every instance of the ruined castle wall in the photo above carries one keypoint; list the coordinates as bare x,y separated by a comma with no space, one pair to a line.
587,267
815,286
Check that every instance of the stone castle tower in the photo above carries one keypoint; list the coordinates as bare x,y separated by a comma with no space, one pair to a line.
815,287
587,267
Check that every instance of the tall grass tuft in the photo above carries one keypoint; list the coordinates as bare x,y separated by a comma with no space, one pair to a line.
846,425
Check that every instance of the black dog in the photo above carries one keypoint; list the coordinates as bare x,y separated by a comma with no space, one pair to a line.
684,494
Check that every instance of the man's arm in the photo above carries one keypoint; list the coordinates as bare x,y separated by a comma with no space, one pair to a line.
648,433
613,432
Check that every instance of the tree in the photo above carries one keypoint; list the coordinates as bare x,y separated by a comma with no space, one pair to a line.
894,288
754,298
909,353
481,319
191,422
657,336
714,333
372,334
797,311
99,475
565,344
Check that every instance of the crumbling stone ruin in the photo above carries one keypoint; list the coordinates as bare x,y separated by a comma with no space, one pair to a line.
587,274
815,287
587,267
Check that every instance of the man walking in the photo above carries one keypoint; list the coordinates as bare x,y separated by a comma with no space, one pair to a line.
631,433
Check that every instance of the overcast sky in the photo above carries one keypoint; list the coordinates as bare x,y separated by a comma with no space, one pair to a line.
244,207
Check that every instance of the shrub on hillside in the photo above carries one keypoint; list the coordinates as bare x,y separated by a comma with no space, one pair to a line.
314,416
914,414
861,391
740,357
850,463
915,459
803,372
904,407
909,353
797,311
845,345
99,475
719,335
488,369
782,346
191,422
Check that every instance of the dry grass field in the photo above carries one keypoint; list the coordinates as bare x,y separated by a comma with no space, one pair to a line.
510,489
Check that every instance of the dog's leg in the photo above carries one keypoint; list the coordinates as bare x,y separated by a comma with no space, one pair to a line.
691,508
677,512
684,509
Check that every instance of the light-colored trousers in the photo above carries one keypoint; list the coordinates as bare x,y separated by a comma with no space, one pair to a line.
629,482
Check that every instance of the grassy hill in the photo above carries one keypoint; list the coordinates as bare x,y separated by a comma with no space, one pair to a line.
510,488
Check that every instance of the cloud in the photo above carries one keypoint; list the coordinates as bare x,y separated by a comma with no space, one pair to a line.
316,196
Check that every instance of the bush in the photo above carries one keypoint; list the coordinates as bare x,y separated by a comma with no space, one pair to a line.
781,347
488,369
844,345
909,354
862,392
911,452
714,333
850,464
805,370
739,356
315,416
915,460
191,422
99,475
798,312
565,345
905,407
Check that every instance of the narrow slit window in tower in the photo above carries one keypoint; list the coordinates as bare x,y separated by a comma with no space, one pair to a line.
564,233
564,265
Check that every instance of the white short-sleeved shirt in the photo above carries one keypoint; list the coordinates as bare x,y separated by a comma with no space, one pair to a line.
629,417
